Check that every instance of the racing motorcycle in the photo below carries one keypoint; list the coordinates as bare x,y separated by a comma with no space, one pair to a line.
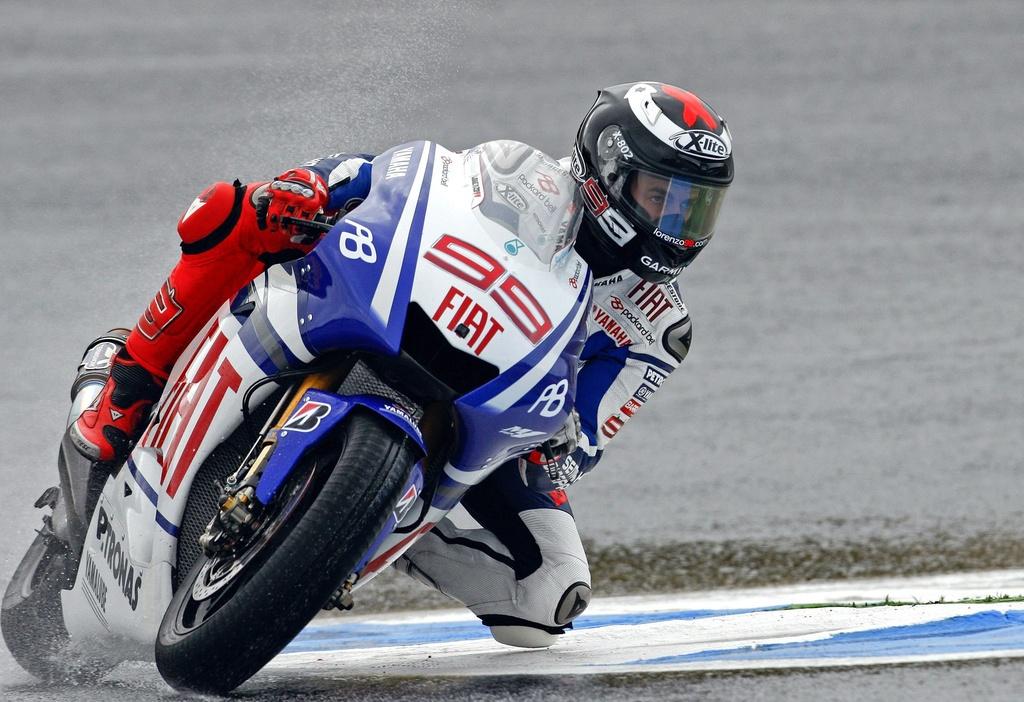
324,419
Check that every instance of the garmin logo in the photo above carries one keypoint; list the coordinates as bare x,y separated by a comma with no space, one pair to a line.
660,268
702,144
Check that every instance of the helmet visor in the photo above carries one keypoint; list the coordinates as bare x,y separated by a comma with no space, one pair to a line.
682,211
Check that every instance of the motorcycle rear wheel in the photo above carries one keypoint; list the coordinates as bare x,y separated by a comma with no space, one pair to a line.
215,636
32,616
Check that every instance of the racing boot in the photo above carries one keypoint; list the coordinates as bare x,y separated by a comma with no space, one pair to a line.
106,431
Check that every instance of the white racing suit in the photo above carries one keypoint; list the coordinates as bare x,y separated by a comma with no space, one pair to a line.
522,568
519,564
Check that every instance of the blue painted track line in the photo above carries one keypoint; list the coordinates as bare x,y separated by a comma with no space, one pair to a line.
972,633
343,635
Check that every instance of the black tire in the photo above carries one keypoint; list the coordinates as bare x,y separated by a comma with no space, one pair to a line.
32,617
214,644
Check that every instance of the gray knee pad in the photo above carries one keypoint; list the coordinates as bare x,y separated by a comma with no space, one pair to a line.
473,567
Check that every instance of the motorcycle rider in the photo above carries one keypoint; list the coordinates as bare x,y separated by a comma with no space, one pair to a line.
652,163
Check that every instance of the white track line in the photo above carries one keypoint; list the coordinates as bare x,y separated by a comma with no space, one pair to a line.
652,633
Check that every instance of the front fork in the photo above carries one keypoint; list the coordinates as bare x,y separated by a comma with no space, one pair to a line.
306,416
239,507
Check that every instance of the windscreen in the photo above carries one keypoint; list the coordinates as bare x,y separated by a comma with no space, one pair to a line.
529,194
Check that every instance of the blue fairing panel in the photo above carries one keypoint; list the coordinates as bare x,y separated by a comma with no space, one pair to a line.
311,421
518,397
354,288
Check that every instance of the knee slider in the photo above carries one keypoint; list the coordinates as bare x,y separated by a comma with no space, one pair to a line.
211,217
523,636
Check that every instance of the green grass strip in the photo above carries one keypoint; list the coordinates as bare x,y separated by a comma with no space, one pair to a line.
991,599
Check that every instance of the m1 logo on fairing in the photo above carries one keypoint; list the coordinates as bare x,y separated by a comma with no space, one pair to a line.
308,416
519,432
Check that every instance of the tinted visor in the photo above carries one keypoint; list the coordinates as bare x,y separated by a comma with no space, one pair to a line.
684,212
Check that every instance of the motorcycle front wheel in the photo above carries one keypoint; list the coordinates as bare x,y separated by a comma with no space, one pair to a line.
231,614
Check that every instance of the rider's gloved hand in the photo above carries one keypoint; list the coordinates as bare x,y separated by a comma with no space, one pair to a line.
299,193
552,466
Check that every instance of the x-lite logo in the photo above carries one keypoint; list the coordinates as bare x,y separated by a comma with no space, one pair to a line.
700,143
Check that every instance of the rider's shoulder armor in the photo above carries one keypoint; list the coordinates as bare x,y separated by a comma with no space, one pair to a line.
648,318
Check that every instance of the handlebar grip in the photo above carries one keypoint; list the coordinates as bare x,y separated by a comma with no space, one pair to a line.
319,224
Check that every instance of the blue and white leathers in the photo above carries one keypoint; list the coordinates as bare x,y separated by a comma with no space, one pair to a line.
517,558
448,233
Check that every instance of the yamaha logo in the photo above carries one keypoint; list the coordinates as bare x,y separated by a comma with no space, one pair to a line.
702,144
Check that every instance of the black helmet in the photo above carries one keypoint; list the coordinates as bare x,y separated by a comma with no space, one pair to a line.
653,163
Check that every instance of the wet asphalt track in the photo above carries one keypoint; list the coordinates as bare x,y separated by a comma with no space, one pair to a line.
853,400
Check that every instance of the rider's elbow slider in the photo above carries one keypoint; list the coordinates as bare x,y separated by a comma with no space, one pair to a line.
213,216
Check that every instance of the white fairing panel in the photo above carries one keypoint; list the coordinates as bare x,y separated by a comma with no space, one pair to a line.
500,220
124,583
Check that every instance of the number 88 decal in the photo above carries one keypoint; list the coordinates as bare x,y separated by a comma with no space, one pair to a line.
358,245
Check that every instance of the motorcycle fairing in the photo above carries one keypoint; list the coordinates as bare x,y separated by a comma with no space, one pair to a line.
354,287
293,313
311,421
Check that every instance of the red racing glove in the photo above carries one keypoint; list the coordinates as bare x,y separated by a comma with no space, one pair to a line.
298,193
